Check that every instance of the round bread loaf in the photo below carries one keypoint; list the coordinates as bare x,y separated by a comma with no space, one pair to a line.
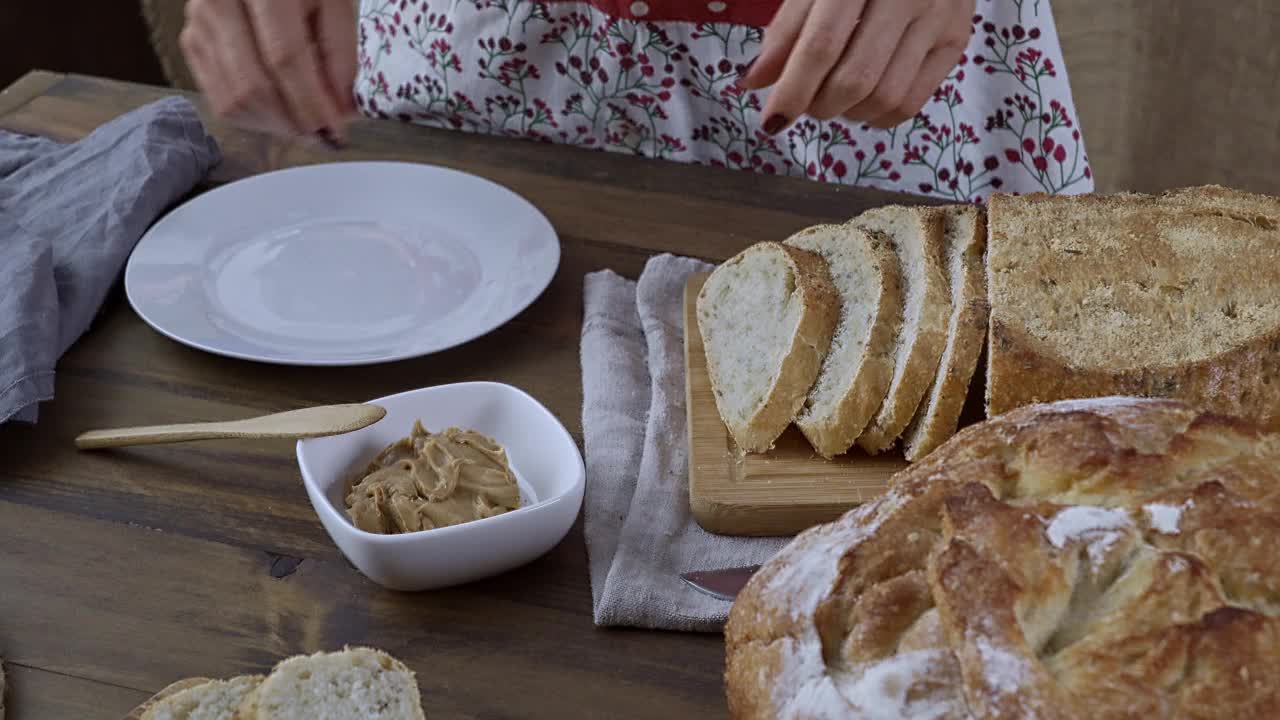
1104,558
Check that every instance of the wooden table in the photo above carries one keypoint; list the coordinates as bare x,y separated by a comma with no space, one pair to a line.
123,571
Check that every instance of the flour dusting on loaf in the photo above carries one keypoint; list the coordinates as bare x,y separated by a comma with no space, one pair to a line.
1164,518
883,690
807,582
811,692
1044,563
1004,671
1098,527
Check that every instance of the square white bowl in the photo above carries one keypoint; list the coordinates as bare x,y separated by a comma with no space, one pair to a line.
542,453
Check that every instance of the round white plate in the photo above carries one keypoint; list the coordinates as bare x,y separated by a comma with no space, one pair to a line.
342,264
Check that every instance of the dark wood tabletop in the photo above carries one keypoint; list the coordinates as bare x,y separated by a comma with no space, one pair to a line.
123,571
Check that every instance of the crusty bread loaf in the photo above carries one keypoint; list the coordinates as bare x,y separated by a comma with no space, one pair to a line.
352,684
1105,558
1175,295
917,235
766,318
856,373
212,700
939,414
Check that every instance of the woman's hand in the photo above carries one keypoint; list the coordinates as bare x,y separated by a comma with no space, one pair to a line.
280,66
875,61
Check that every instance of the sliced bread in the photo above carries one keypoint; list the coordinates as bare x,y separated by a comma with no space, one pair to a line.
1175,296
213,700
965,235
856,374
352,684
766,317
917,235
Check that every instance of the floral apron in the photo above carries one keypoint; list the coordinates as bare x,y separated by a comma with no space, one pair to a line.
656,78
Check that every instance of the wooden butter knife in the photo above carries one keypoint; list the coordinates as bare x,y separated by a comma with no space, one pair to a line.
293,424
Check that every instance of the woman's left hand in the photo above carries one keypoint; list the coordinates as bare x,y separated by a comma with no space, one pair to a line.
874,61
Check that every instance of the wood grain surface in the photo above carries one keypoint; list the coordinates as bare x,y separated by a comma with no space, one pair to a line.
780,492
123,571
45,695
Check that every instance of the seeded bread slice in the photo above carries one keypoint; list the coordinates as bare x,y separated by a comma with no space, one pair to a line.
352,684
766,317
917,234
936,420
856,373
213,700
1175,295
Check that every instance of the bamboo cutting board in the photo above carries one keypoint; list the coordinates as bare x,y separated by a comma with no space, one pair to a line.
780,492
170,690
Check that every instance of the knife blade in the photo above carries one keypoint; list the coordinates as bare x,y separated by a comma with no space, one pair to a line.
722,584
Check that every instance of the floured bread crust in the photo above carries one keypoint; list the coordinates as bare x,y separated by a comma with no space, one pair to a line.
1104,558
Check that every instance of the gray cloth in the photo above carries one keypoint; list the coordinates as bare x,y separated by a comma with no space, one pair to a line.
639,530
69,217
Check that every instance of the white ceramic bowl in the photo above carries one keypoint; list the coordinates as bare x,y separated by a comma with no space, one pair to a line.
542,453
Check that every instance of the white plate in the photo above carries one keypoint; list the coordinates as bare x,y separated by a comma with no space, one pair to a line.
342,264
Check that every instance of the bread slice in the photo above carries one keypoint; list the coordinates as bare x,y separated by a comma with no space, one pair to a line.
352,684
1175,296
766,317
965,235
856,373
916,233
213,700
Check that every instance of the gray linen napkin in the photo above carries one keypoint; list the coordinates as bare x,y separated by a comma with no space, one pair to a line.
639,530
69,217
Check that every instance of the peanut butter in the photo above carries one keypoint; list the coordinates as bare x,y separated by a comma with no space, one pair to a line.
433,480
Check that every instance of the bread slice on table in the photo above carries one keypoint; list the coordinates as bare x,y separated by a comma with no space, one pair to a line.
1176,295
352,684
917,235
965,235
766,317
213,700
856,373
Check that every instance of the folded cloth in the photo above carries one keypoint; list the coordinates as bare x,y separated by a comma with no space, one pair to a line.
69,217
640,532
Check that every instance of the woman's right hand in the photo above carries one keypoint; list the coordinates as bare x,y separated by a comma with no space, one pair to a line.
281,66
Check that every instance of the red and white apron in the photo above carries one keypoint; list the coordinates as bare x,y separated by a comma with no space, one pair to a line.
656,78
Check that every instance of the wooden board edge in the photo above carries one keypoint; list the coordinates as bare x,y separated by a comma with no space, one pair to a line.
171,689
728,518
27,88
